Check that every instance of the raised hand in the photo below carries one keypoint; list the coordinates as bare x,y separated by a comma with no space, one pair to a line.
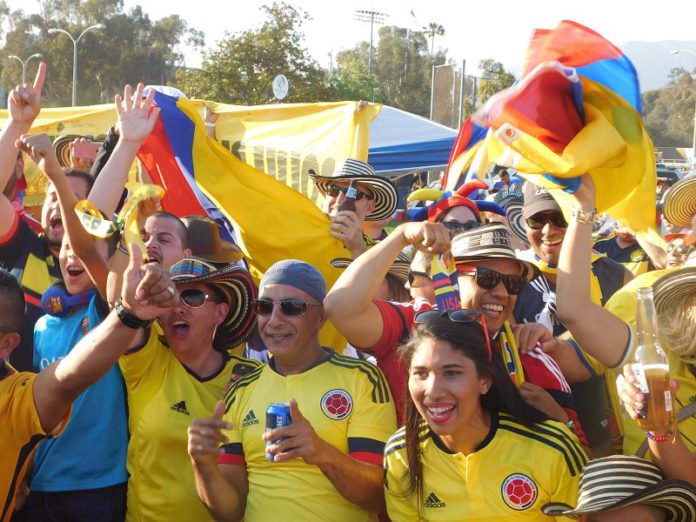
530,335
135,117
432,238
346,226
40,149
147,291
205,436
24,101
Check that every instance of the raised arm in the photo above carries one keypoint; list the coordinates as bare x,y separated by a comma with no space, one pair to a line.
40,150
599,332
24,104
145,296
136,119
349,304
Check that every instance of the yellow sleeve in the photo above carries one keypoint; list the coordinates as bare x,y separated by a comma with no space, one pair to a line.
400,506
566,485
232,450
23,419
140,362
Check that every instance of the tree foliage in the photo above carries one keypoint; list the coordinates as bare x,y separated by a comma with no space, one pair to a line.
494,78
242,67
131,48
669,112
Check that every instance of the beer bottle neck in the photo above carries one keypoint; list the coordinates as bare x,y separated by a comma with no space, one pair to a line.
646,319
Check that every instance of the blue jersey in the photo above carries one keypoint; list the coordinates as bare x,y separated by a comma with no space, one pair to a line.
91,452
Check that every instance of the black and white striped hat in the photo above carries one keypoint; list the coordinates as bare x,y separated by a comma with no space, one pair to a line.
491,241
383,189
680,202
620,480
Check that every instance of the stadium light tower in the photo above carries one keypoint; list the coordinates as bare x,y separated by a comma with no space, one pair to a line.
366,15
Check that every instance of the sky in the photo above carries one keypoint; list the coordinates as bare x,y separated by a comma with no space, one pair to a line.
498,29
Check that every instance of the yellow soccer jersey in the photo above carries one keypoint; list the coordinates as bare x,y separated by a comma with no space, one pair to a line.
510,476
347,402
163,399
623,304
20,432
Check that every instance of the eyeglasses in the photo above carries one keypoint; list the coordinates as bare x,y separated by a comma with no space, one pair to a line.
488,278
537,221
335,190
194,298
289,307
463,315
412,276
678,247
4,329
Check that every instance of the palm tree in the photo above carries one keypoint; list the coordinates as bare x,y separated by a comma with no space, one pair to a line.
433,29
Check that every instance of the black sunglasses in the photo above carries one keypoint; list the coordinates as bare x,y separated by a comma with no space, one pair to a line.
488,278
412,276
335,190
194,298
463,315
289,307
537,221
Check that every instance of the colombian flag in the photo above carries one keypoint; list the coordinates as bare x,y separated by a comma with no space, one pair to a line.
273,221
575,110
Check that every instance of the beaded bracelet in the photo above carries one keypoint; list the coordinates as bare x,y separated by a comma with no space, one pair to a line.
581,216
659,438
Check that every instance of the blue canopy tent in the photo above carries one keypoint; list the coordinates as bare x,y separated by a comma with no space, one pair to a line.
402,142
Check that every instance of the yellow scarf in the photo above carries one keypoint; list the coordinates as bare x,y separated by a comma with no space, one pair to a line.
595,289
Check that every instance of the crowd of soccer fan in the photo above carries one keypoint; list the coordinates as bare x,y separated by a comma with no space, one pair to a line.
138,382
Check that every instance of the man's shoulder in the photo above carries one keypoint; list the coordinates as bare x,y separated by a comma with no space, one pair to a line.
361,373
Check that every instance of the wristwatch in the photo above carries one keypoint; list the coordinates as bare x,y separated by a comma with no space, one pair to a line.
128,319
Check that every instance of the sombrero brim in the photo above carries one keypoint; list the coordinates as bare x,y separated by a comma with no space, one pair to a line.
515,222
62,147
677,497
228,253
384,191
399,268
236,283
680,202
531,270
674,287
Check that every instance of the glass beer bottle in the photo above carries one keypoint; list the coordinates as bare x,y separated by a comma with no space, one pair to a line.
348,202
651,369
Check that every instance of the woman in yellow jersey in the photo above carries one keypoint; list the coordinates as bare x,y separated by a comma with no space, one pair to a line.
471,447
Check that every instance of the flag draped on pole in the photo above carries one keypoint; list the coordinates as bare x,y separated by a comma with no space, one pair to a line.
273,221
575,110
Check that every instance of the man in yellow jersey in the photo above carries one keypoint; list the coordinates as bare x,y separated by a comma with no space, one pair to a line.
327,464
34,407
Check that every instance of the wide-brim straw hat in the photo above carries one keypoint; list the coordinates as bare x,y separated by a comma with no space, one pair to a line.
399,268
490,241
680,202
231,281
619,481
62,147
512,200
383,190
205,242
672,289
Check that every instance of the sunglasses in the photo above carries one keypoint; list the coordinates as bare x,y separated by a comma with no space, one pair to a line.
537,221
488,278
412,276
678,247
4,330
289,307
194,298
335,190
460,316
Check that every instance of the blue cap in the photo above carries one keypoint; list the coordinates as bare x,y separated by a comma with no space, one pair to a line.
298,274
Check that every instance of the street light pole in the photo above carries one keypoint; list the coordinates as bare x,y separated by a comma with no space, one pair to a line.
75,41
24,64
693,142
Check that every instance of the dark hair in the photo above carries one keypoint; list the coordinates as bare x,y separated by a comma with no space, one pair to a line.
222,333
397,289
85,176
181,229
11,301
467,338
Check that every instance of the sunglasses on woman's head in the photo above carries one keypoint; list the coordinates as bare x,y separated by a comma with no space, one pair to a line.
194,298
487,278
335,190
289,307
537,221
462,315
412,276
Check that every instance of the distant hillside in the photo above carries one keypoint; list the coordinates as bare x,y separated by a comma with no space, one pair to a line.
653,60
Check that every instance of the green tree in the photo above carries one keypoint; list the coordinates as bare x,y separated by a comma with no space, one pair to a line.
668,113
131,48
242,67
494,78
352,80
434,29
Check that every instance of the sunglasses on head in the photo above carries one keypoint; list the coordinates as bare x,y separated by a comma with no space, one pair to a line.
487,278
5,329
194,298
537,221
412,276
335,190
460,316
289,307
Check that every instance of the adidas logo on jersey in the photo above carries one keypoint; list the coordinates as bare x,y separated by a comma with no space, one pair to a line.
249,419
433,501
180,407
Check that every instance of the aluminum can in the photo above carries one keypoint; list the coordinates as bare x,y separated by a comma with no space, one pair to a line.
277,416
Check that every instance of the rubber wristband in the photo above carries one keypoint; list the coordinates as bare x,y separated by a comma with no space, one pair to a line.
659,438
128,319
